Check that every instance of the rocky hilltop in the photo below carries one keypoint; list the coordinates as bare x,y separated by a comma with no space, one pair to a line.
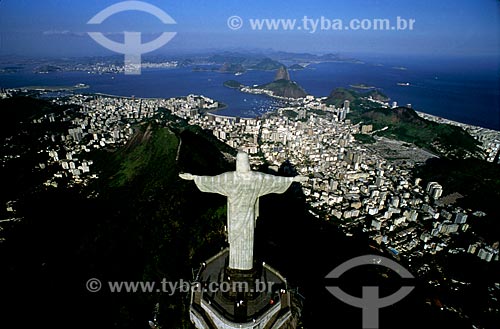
282,74
283,86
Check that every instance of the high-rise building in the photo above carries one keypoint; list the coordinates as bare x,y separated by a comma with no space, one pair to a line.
472,249
460,218
342,114
435,190
347,106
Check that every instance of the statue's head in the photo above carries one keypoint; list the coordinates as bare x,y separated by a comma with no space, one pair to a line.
242,163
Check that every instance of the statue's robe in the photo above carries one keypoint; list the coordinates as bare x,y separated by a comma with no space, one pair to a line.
242,191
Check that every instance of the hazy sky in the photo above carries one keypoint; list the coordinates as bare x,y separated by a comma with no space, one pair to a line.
442,27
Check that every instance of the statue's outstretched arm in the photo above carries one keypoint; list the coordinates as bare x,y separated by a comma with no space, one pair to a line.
186,176
300,179
277,184
209,184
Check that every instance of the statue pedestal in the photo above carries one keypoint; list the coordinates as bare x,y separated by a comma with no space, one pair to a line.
258,298
244,280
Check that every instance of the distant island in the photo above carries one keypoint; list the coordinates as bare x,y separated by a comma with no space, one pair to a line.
238,66
225,68
45,69
57,88
296,67
362,86
233,84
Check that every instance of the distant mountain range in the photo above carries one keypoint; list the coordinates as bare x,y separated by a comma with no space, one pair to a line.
249,57
235,62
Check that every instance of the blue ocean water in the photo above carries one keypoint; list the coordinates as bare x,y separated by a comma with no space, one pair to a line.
463,90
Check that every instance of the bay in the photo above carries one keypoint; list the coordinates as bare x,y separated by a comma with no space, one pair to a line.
463,91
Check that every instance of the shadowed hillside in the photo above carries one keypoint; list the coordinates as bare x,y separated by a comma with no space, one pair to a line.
145,224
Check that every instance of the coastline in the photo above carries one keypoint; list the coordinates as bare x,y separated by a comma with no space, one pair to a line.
422,114
438,119
54,88
362,87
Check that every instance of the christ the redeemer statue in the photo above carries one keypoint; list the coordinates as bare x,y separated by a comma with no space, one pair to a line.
242,188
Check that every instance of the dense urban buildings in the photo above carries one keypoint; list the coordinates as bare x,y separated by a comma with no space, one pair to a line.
356,186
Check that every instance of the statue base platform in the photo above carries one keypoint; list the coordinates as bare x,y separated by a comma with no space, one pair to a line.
246,280
227,298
